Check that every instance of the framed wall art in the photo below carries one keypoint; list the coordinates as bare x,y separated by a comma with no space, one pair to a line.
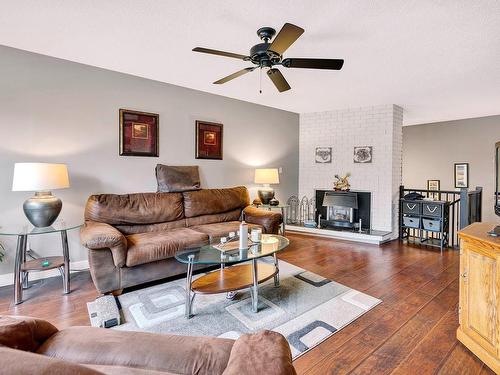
363,154
139,133
323,155
461,175
208,140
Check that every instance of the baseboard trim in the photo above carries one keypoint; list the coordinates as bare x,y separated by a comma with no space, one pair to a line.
81,265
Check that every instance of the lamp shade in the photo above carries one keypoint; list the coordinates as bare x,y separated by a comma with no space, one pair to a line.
39,177
267,176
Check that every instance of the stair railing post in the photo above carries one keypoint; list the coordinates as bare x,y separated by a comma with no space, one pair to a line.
464,208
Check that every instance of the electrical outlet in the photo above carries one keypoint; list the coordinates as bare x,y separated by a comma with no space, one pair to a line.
280,170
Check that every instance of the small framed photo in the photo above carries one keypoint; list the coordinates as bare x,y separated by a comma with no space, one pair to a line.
139,133
363,154
208,140
461,175
323,155
434,185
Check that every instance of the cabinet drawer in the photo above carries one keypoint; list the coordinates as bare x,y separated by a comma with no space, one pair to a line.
412,208
411,222
432,209
432,225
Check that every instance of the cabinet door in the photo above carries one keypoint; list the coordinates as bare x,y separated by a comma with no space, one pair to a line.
478,289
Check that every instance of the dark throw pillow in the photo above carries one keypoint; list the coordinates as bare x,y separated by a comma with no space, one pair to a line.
177,178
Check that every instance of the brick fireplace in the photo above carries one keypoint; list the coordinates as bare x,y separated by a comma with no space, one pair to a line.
379,127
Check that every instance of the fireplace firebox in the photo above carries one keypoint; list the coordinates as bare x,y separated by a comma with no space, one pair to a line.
343,209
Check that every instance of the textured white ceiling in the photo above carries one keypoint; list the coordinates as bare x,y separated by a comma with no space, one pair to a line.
439,60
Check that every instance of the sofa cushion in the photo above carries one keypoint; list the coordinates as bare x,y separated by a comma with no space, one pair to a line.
125,370
24,333
153,246
140,208
141,228
233,215
158,352
177,178
217,230
215,201
24,363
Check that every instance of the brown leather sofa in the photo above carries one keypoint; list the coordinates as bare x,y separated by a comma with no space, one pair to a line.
132,238
30,346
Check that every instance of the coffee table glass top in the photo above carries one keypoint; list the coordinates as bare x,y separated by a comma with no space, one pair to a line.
26,228
270,244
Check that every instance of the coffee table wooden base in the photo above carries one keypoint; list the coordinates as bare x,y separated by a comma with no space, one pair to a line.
230,279
233,278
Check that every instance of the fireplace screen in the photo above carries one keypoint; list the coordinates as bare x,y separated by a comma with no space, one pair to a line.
341,214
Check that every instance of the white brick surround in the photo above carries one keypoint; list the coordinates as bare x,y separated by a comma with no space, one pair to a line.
379,127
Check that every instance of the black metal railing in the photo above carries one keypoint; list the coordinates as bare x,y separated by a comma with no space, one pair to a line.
465,209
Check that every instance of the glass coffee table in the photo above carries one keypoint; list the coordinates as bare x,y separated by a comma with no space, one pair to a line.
238,276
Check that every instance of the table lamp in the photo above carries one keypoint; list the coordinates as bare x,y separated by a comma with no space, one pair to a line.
266,176
43,208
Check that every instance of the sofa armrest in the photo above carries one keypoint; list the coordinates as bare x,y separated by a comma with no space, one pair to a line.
265,352
24,333
269,220
95,236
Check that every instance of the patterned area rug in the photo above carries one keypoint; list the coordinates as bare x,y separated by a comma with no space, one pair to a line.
306,309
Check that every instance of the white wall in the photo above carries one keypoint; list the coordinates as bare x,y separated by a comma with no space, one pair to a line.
379,127
430,151
53,110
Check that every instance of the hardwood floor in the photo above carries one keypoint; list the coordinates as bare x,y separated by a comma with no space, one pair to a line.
412,331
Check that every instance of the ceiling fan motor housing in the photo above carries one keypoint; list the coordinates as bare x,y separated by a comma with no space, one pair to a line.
262,56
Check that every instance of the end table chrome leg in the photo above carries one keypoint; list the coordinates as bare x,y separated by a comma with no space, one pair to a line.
189,279
64,238
18,287
255,287
283,218
277,276
25,275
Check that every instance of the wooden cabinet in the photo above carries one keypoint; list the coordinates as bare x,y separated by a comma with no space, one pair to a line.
479,306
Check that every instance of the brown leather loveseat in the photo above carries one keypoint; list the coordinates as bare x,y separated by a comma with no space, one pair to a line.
31,346
132,238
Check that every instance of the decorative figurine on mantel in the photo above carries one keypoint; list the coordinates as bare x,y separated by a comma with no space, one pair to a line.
342,183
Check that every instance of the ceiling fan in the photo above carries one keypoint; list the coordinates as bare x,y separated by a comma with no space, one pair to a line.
270,54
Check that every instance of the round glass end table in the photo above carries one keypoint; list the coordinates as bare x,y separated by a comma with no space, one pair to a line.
22,266
239,276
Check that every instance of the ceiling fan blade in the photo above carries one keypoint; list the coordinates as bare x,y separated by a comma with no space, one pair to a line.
234,75
278,80
220,53
333,64
286,37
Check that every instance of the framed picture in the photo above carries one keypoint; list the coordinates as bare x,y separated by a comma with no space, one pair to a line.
139,133
434,185
461,175
208,140
323,155
363,154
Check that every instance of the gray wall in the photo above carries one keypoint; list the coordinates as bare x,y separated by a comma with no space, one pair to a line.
53,110
430,150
